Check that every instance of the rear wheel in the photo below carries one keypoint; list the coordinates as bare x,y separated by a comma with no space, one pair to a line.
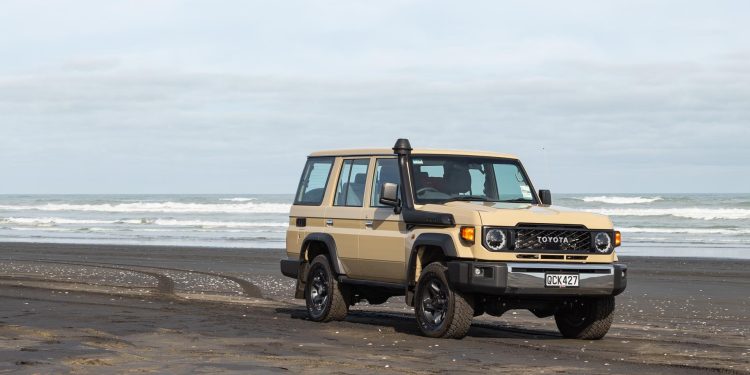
586,318
440,310
324,296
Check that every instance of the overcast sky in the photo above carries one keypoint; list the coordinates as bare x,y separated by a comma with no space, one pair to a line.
230,96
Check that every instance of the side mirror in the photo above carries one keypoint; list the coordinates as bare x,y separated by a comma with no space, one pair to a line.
389,196
546,197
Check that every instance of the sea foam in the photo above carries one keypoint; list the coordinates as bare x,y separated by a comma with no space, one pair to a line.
689,213
51,221
216,224
48,221
620,200
169,207
727,231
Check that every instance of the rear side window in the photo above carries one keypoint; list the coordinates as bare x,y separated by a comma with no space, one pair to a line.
312,186
350,190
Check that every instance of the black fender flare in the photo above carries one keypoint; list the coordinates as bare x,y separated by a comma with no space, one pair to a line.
441,240
330,243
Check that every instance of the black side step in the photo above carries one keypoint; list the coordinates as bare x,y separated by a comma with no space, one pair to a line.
379,284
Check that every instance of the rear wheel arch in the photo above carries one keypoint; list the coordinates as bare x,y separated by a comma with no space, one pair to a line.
316,244
313,245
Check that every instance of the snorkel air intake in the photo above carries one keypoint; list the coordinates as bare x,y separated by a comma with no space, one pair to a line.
403,150
411,216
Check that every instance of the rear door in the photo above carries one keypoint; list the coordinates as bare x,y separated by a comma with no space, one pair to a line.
344,219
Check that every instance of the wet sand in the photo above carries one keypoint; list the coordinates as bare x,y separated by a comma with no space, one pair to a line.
114,309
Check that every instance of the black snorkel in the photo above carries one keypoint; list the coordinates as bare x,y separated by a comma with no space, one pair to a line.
410,215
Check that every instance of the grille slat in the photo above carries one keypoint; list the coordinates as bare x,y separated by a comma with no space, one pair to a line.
561,240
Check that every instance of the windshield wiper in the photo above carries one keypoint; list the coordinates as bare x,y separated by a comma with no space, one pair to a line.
517,200
472,198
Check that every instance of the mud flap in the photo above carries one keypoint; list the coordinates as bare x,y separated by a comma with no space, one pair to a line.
299,292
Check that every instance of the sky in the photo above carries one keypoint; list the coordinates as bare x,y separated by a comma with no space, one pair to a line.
230,96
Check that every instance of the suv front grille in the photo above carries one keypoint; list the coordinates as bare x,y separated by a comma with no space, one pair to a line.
557,239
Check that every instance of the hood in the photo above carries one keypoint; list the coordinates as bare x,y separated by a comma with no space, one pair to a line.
511,214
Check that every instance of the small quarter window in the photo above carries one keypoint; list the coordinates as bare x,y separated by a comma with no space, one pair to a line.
312,186
386,170
350,190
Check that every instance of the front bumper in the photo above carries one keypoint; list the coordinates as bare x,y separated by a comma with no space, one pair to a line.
527,279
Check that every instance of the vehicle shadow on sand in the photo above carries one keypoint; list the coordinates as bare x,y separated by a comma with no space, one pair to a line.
406,323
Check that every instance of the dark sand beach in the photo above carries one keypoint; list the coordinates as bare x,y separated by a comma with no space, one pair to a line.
117,309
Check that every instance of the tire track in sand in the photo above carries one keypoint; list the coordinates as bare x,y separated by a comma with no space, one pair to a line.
165,284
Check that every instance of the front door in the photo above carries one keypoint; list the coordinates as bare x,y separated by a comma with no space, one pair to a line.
382,246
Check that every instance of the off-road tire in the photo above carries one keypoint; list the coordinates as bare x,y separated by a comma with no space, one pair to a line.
457,307
586,318
335,306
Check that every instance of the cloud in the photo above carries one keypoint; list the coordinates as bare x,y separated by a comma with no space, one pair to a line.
213,100
675,116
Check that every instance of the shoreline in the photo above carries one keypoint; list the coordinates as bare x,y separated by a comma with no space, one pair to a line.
681,252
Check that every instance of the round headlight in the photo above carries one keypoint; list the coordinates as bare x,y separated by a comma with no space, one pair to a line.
602,242
495,239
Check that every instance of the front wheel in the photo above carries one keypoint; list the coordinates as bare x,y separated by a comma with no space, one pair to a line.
441,311
323,294
586,318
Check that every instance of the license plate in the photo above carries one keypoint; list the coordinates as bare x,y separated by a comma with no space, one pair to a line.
561,280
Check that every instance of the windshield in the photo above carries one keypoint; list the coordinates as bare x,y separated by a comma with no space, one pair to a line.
440,179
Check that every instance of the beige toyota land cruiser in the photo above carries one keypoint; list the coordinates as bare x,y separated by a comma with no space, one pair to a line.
459,234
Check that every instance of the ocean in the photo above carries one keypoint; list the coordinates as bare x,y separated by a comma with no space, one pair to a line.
679,225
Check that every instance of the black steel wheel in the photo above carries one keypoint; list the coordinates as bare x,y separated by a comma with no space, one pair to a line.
323,294
440,310
586,318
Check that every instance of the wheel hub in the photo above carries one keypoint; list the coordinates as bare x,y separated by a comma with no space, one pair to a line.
319,290
434,303
576,313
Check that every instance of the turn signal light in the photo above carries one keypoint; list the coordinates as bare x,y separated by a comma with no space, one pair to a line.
467,234
618,238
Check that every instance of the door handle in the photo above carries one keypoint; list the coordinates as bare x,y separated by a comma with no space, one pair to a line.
329,221
368,223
